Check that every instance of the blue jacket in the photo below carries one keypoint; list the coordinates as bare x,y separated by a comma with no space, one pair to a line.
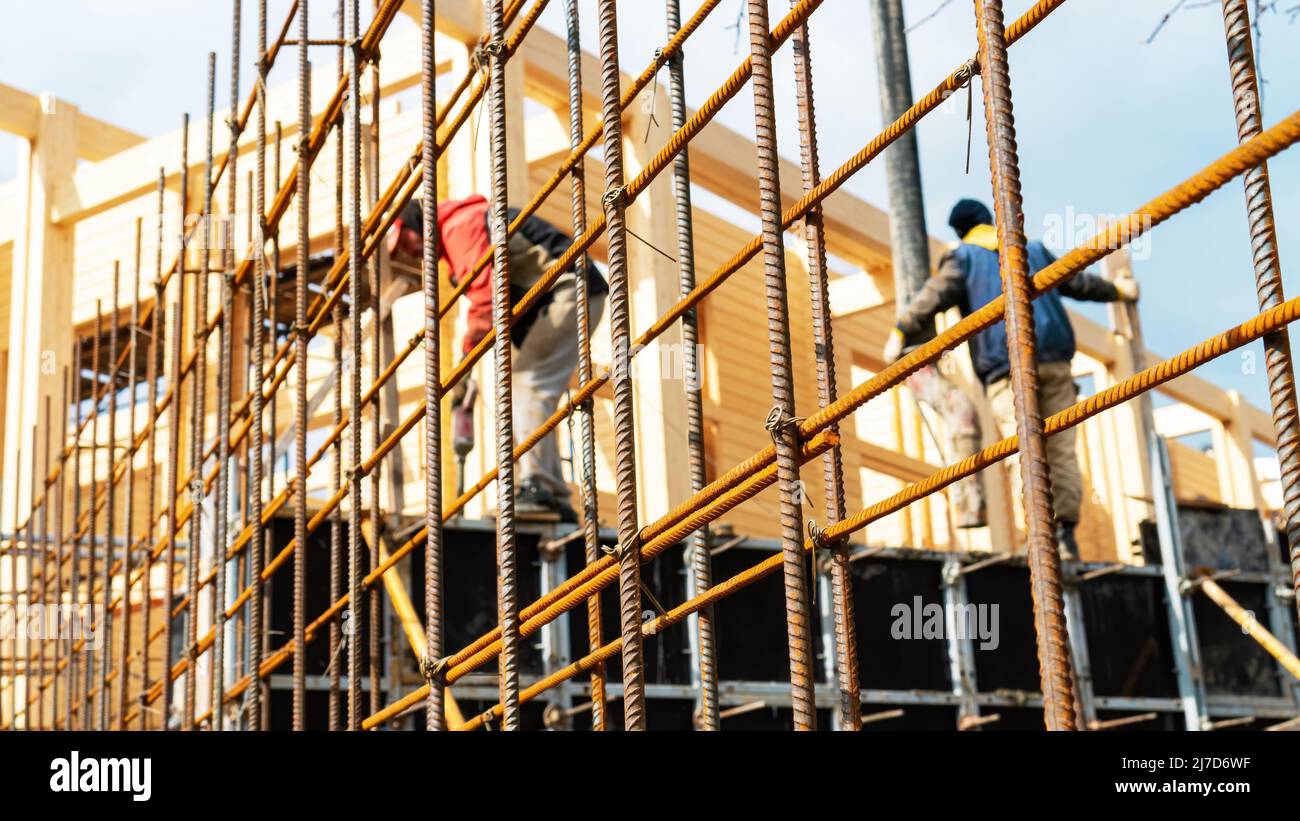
968,277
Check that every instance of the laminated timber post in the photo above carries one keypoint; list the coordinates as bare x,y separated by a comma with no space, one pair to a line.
40,296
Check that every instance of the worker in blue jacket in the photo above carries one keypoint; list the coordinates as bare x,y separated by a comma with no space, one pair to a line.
968,277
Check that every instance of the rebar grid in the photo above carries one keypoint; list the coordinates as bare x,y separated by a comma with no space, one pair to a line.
796,440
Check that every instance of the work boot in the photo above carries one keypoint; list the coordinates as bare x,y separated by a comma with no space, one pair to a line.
535,501
1065,543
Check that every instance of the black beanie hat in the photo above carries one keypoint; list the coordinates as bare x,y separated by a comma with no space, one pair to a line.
966,214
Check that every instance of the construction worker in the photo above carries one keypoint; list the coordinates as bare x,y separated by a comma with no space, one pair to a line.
969,277
544,340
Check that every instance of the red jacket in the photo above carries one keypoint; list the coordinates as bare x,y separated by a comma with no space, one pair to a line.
463,226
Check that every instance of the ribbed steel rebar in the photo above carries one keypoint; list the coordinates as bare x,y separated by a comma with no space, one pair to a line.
198,414
128,527
300,383
1054,662
74,572
698,558
356,406
226,373
1268,274
629,546
797,612
88,691
374,596
435,712
29,550
157,321
60,500
846,649
174,441
507,570
257,345
110,509
337,570
586,424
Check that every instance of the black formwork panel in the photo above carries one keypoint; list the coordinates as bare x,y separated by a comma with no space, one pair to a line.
884,661
667,655
1127,625
914,717
1013,663
469,584
316,598
751,626
1233,662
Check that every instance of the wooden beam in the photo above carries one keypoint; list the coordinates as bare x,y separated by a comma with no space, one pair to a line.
20,112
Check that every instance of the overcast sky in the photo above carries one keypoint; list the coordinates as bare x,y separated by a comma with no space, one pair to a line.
1105,120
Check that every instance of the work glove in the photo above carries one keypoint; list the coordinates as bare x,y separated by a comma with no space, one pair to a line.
893,347
1128,289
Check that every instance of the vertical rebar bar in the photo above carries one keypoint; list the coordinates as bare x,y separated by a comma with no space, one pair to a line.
268,548
374,593
435,712
15,540
507,571
1268,273
336,315
586,423
60,543
797,611
1044,563
629,544
355,567
128,527
225,374
110,508
74,572
30,551
300,384
257,345
698,558
88,693
157,322
846,650
44,541
198,413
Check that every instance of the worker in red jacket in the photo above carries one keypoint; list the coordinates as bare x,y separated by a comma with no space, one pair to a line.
544,340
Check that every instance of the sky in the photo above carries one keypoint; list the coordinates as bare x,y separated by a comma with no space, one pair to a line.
1107,116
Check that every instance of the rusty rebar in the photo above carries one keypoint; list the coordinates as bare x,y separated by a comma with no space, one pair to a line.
629,547
157,321
74,573
356,407
698,558
1268,273
60,500
110,509
336,569
846,651
43,552
128,528
1054,662
797,611
507,571
198,414
431,244
174,443
30,551
225,375
374,596
300,383
257,345
88,685
586,424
